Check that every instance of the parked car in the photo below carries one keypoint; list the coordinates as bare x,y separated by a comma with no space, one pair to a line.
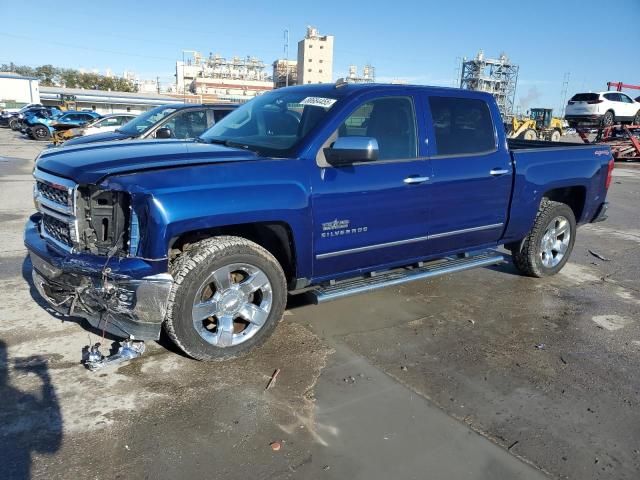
603,109
307,189
107,123
43,128
166,121
14,120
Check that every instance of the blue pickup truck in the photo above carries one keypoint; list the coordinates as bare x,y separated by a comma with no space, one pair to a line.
328,190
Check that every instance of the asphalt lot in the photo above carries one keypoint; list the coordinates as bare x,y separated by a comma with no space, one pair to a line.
437,379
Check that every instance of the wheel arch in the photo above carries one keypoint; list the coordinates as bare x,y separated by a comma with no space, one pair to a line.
574,197
275,237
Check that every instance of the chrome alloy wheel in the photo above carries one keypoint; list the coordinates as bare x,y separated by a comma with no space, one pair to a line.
555,241
232,304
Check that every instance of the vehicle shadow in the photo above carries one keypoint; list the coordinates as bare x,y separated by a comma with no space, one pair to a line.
29,422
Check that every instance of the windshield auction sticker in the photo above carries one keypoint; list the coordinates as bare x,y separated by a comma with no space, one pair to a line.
318,102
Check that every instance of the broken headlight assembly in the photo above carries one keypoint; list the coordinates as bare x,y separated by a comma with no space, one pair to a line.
104,221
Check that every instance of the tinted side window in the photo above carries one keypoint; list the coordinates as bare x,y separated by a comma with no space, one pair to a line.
220,114
462,126
613,97
187,124
391,121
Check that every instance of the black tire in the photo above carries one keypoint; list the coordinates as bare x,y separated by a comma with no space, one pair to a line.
14,124
608,119
191,270
527,254
41,133
529,134
636,119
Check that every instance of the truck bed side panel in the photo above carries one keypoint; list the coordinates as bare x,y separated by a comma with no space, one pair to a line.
540,170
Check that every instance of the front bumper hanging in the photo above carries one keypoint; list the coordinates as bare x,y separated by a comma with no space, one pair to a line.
126,306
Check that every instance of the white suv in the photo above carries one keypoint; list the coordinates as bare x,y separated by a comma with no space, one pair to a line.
603,108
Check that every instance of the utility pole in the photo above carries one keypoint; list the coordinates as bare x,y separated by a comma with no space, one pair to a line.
286,57
184,89
563,93
158,83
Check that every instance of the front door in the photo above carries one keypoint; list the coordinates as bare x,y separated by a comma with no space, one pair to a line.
471,184
369,214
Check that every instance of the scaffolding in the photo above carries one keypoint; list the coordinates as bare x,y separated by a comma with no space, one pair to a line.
496,76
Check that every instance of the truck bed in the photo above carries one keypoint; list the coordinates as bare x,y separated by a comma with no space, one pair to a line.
520,144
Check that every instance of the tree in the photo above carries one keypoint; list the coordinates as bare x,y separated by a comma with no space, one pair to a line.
50,76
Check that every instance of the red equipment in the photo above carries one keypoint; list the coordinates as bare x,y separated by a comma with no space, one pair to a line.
624,140
619,86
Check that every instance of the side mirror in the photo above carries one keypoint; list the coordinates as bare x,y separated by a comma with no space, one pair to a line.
164,132
348,150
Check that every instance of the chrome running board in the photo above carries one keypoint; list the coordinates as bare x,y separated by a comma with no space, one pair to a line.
408,274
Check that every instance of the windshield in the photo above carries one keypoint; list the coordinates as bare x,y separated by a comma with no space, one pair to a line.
271,124
146,120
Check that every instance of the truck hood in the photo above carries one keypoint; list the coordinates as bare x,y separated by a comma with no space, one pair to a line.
89,164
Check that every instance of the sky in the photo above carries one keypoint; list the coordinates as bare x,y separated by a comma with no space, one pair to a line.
420,41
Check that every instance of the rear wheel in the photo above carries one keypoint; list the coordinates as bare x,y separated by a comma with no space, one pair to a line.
555,136
40,132
608,119
530,134
547,247
227,298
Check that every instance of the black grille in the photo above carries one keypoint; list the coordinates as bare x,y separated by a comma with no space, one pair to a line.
56,229
58,195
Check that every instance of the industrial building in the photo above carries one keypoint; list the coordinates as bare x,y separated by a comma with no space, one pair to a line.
315,58
368,74
496,76
103,101
285,73
17,90
235,79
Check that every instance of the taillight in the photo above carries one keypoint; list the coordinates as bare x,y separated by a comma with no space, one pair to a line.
609,174
592,102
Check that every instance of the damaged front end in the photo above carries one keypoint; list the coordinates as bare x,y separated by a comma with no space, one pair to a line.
83,245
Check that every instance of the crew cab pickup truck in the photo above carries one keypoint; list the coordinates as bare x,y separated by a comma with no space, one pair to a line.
327,190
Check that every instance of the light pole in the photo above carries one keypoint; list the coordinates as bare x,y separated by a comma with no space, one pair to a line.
286,57
184,90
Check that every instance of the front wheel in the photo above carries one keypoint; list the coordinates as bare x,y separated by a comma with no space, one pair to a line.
547,247
530,134
636,119
555,136
14,124
40,132
228,296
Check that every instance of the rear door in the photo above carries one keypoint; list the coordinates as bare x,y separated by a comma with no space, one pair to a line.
470,188
369,214
630,108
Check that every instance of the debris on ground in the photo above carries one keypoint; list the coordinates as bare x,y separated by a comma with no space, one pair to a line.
472,321
563,360
404,368
540,346
272,380
326,467
513,444
597,255
93,359
275,446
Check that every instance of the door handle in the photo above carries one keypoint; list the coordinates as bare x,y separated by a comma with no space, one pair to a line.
498,171
414,180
